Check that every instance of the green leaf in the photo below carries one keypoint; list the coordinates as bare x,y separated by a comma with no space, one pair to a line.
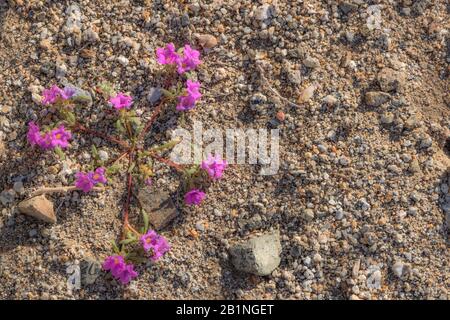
146,222
94,152
127,241
106,88
115,247
131,167
113,169
167,93
60,153
119,127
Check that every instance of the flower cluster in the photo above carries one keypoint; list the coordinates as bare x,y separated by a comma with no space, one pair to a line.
194,197
86,181
151,242
214,166
121,101
137,245
119,269
58,137
155,244
52,95
188,100
187,61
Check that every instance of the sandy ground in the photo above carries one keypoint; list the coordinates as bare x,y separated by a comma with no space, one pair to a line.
361,193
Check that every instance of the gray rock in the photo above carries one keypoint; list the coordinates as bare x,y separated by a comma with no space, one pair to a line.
391,80
387,118
377,98
308,214
347,7
311,62
154,94
259,255
103,155
7,196
73,22
426,142
258,102
398,268
80,96
374,280
90,35
90,269
123,60
159,207
18,187
264,12
330,100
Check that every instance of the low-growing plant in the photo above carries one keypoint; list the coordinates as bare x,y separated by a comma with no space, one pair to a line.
136,245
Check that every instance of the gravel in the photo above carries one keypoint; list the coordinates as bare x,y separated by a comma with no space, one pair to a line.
363,178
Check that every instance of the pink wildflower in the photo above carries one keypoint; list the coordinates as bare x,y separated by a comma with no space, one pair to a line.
33,135
83,182
156,243
67,93
51,95
193,94
115,264
60,137
86,181
167,55
215,166
121,101
98,176
127,274
56,137
194,197
119,269
189,61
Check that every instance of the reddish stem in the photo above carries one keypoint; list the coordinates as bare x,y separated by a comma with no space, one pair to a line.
101,135
151,120
168,162
127,203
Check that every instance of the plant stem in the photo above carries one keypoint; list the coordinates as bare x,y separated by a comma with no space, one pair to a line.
170,163
151,120
60,189
82,128
127,202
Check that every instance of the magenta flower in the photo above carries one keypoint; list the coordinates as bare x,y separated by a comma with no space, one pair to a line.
187,101
189,61
83,182
194,197
86,181
127,274
51,95
167,55
33,135
115,264
98,176
56,137
60,137
67,93
215,166
47,142
151,241
119,269
121,101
